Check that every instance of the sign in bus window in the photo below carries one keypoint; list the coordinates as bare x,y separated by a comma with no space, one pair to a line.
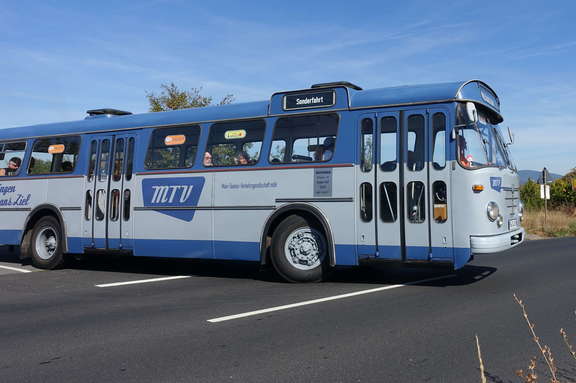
416,206
439,141
388,201
366,145
415,159
388,144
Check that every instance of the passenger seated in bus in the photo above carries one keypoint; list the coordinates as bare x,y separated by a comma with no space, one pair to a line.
67,166
242,159
13,166
325,151
207,159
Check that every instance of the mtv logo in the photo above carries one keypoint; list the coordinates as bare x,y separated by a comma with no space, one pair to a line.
174,195
496,183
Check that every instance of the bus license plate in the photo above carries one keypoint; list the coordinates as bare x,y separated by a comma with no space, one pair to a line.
512,224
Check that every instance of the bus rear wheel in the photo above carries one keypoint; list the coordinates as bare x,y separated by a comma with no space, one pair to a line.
299,250
46,244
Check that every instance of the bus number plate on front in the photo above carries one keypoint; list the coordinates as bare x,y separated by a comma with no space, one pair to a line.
512,224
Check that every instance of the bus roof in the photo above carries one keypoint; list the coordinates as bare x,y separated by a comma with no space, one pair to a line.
473,90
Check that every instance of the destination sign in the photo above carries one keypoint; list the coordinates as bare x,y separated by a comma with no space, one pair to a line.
309,100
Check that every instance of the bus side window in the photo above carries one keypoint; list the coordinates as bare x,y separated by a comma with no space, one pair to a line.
130,159
126,204
440,202
54,155
236,143
415,159
416,206
366,145
171,148
88,206
278,151
439,141
309,138
388,201
12,158
92,159
104,155
118,160
388,144
366,201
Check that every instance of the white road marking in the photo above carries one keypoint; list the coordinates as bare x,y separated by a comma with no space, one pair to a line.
15,269
143,281
320,300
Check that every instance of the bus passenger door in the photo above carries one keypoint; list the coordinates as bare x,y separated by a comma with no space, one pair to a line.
365,181
120,228
96,192
387,188
415,182
441,242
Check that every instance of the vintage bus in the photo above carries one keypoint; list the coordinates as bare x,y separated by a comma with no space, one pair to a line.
333,175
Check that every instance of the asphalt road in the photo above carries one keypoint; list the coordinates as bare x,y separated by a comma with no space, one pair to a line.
59,326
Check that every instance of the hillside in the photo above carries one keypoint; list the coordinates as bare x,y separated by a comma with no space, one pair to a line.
534,175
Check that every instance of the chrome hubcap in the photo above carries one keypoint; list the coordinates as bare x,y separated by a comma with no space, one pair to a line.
46,243
305,248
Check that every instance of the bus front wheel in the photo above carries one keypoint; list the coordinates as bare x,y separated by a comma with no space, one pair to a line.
299,250
46,244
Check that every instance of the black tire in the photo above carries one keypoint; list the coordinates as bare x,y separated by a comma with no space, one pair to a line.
294,266
46,244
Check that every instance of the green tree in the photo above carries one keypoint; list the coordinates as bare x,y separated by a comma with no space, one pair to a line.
530,195
172,98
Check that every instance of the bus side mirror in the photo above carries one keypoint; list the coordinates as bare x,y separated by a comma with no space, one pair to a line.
471,113
453,134
2,155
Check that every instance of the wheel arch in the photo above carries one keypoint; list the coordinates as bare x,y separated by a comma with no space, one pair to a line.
37,213
305,210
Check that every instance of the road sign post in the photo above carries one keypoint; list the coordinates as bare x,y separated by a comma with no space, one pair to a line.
545,194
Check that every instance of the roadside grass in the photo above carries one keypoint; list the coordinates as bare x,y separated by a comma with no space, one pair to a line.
530,375
560,222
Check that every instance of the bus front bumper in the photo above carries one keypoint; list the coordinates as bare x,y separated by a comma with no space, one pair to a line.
495,243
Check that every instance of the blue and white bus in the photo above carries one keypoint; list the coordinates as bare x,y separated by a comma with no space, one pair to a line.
333,175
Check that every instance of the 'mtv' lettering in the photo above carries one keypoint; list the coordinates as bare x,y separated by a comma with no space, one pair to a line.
166,194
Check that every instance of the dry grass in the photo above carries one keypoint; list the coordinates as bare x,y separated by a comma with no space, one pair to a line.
529,375
560,223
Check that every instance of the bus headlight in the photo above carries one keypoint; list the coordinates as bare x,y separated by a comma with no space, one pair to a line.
493,211
500,221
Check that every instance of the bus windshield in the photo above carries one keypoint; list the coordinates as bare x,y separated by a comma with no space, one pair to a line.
481,145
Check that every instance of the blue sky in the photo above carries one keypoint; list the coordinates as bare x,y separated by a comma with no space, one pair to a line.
60,58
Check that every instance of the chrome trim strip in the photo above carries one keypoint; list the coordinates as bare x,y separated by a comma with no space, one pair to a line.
145,208
70,208
345,199
15,209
